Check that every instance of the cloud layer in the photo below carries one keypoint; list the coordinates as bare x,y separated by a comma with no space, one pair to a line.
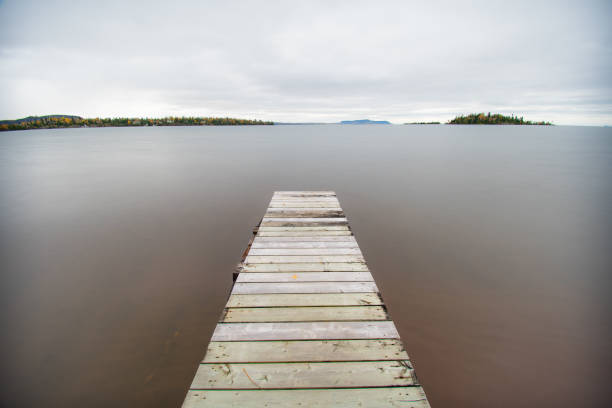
307,61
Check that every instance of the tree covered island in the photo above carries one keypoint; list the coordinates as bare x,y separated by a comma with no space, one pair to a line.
68,121
495,119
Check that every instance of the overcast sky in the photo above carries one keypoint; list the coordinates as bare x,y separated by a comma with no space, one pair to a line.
308,61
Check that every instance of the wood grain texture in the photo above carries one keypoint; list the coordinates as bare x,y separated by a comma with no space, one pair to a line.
304,299
384,329
303,287
300,220
303,375
300,229
303,314
304,251
297,244
318,238
304,277
304,233
304,350
306,267
304,204
396,397
277,259
304,213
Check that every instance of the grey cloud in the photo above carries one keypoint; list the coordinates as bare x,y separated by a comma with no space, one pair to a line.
307,60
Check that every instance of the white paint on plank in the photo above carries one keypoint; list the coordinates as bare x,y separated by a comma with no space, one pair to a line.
384,329
304,350
304,299
398,397
304,277
303,314
304,287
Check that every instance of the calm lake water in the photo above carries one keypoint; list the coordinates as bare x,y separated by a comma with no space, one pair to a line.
492,247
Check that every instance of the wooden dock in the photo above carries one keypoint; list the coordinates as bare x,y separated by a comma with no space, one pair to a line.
305,325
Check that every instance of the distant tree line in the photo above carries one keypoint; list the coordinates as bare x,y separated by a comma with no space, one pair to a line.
495,119
66,121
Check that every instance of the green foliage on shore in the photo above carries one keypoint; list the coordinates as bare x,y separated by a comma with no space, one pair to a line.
65,121
495,119
422,123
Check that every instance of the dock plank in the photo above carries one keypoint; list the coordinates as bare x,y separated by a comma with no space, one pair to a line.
303,314
305,277
397,397
382,329
304,251
321,238
303,375
304,204
304,299
303,287
300,229
328,233
304,350
298,244
276,259
306,267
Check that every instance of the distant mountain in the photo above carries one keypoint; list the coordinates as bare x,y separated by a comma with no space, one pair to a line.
365,122
35,118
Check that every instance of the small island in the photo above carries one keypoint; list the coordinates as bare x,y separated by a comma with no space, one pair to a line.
495,119
422,123
70,121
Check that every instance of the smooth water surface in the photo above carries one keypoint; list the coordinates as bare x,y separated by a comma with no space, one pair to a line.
491,245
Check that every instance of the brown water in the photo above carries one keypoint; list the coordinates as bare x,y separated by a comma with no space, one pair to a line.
491,246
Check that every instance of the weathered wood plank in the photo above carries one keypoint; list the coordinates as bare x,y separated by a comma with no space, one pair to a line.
298,229
300,220
304,299
319,238
304,204
398,397
253,259
382,329
304,245
315,199
303,314
304,213
304,350
304,192
304,277
298,210
303,375
304,287
304,233
306,267
280,223
304,251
